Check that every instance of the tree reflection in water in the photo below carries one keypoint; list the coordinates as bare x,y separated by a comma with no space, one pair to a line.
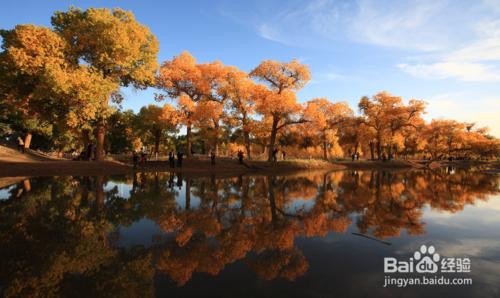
62,234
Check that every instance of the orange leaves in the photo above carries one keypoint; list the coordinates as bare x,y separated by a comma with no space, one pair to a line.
451,138
282,79
208,112
154,117
280,104
281,75
35,50
204,90
179,75
387,115
324,114
111,41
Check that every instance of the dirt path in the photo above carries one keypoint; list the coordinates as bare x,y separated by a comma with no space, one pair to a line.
8,155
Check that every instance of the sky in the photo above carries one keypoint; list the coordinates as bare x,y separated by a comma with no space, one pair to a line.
445,52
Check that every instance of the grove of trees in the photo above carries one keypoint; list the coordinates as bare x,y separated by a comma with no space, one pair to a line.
61,87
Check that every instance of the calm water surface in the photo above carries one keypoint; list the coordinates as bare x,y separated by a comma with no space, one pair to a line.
303,235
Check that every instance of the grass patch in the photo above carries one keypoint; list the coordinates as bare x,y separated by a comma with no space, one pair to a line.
304,163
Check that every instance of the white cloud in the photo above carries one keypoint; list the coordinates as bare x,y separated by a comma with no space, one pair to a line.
322,77
464,71
416,25
476,61
403,24
449,39
267,32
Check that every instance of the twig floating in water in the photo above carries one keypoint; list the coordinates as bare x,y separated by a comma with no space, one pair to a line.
372,238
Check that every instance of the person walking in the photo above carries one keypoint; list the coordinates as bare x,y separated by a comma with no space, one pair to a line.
171,159
135,158
275,153
212,158
179,159
88,154
240,156
144,156
283,154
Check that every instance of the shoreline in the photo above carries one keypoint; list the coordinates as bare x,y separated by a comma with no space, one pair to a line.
223,167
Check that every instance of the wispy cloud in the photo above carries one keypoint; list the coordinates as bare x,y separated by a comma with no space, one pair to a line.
403,24
329,76
477,61
445,42
463,71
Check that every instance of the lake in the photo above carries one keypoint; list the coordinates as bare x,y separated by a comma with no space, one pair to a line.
310,234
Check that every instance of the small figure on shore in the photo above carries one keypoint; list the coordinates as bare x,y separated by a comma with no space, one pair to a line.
275,153
212,158
357,155
179,159
171,159
144,156
88,154
353,156
283,154
20,144
135,158
240,156
94,152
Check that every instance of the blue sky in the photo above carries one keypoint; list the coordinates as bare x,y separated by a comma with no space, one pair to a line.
444,52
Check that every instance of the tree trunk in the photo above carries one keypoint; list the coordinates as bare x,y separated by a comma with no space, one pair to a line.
188,141
99,136
274,131
27,140
272,200
372,150
325,147
379,150
246,137
216,138
157,134
85,138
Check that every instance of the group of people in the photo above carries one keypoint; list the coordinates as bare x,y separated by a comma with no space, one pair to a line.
275,154
387,157
175,160
140,157
171,159
355,156
88,153
240,155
